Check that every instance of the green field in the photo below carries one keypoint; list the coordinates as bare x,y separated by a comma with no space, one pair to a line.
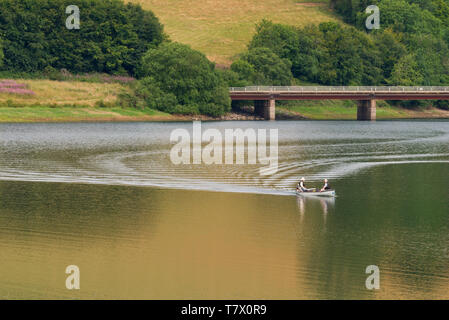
222,28
70,101
62,114
347,110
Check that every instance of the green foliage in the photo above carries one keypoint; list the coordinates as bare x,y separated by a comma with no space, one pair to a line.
350,8
406,72
148,94
232,78
112,36
442,104
2,55
413,40
390,50
350,57
404,17
432,58
329,54
301,48
261,66
441,10
281,39
178,79
408,16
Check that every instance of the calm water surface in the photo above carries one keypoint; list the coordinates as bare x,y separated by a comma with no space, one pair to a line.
106,198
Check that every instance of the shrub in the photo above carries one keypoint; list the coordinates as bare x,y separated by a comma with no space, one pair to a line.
442,104
178,79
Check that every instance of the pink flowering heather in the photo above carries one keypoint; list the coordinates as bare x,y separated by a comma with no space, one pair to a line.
11,86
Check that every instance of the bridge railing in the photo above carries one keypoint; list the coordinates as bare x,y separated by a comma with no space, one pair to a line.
324,89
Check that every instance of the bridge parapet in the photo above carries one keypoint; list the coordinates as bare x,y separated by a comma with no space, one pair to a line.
327,89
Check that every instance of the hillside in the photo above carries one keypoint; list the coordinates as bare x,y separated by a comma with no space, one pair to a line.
222,28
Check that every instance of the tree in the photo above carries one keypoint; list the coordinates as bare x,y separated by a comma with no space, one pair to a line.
329,54
390,50
402,16
112,37
441,10
178,79
281,39
2,56
349,9
406,72
432,58
350,57
261,66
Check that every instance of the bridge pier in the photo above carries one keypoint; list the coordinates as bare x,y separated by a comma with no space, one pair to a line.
270,110
265,108
366,109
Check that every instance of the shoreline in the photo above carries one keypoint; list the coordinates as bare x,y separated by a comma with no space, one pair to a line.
94,114
189,118
77,101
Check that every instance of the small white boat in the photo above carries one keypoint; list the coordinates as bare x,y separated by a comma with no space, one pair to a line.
327,193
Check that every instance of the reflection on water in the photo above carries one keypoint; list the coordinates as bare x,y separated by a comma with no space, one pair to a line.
326,203
106,198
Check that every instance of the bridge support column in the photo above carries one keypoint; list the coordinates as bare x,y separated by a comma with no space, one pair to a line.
366,110
265,108
270,109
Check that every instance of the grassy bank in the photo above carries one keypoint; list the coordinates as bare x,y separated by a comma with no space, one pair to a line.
222,29
73,114
313,112
347,110
70,101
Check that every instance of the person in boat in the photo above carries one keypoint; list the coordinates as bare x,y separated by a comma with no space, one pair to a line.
301,187
326,186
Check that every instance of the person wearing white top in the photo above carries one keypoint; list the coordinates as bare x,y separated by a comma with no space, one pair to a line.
301,187
326,186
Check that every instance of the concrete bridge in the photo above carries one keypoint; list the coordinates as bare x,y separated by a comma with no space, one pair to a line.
265,97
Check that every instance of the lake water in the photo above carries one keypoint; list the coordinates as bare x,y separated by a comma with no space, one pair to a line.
106,197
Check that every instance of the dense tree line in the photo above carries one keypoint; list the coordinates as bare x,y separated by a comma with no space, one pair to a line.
420,26
112,37
328,54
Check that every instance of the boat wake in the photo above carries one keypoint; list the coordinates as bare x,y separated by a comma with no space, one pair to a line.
109,157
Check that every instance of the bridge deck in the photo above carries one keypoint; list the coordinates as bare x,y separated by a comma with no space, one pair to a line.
342,93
